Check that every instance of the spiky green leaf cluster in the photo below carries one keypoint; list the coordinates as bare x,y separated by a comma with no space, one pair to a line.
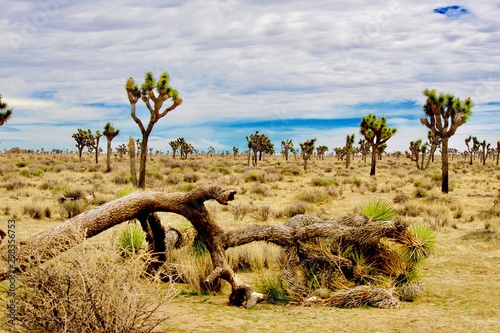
420,243
131,240
378,210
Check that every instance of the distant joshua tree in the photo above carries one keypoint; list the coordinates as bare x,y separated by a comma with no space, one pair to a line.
93,143
110,133
286,148
444,114
175,146
5,112
434,143
210,151
259,144
349,141
416,148
121,150
235,151
364,148
473,145
320,151
376,133
82,139
307,150
154,103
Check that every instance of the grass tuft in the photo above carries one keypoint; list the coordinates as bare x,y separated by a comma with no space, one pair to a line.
378,210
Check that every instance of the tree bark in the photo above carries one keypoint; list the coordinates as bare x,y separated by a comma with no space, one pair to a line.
444,165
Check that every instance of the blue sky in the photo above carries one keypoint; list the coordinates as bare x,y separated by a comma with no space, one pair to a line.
290,69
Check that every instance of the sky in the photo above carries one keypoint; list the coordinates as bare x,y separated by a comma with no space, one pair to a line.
289,69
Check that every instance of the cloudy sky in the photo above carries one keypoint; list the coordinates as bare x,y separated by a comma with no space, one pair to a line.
290,69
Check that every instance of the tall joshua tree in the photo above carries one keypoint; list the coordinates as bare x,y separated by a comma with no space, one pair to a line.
472,144
444,114
110,133
376,133
349,141
5,112
93,143
307,150
154,103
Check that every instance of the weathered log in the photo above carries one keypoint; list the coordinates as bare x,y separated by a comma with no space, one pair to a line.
140,205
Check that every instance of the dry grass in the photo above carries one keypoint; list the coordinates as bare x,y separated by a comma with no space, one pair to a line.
460,281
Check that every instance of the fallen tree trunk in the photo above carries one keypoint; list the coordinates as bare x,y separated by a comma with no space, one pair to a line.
140,205
299,236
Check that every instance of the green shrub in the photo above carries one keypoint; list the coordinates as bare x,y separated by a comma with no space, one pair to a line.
223,170
274,287
126,191
21,164
72,208
324,181
131,240
251,177
186,187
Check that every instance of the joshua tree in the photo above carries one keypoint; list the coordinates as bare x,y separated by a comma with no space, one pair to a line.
121,150
376,133
259,144
93,143
307,150
286,147
5,112
473,145
415,149
434,143
235,151
154,103
174,145
498,151
349,141
364,148
210,151
186,148
320,151
82,139
444,114
110,133
484,150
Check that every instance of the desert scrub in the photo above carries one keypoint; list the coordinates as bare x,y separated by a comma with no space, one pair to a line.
324,181
93,290
240,210
314,196
223,170
260,189
296,208
262,213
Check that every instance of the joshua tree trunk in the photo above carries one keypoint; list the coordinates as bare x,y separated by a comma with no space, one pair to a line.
444,167
131,153
108,156
374,160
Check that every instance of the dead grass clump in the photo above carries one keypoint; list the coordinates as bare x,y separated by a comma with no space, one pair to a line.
90,291
240,210
122,179
37,212
15,184
260,189
290,210
262,213
191,177
400,198
314,196
410,209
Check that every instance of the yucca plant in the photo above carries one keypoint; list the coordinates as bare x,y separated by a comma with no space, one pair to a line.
131,240
378,210
419,242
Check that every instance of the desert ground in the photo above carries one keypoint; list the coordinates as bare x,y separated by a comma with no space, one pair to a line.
460,279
